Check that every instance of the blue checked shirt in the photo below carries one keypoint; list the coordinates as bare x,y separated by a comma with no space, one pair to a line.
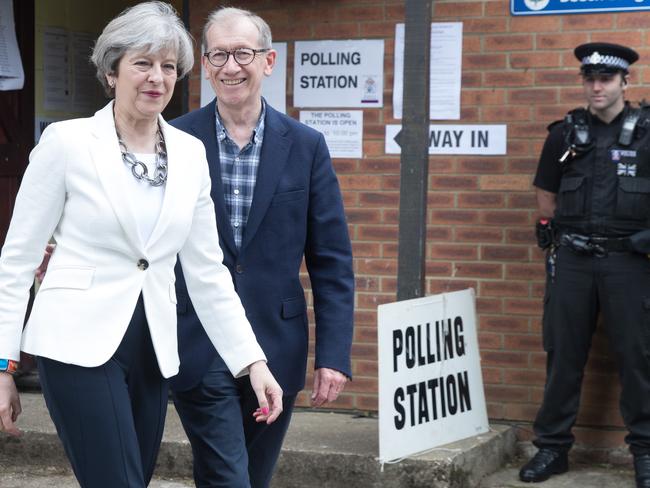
239,172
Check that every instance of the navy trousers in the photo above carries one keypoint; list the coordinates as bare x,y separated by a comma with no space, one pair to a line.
110,418
230,449
618,286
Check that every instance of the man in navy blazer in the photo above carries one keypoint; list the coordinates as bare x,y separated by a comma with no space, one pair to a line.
277,200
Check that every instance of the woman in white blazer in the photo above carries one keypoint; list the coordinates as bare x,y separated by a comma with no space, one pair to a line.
123,193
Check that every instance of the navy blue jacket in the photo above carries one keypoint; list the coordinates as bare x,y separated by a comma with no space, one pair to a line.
296,211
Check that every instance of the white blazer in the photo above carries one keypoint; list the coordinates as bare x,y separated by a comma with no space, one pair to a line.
73,188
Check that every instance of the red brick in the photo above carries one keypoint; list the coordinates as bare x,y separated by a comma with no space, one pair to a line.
529,60
376,266
371,300
365,249
508,79
359,14
521,236
379,198
505,217
566,41
555,77
366,402
482,97
481,200
484,61
478,270
508,42
589,22
454,217
515,394
523,342
446,286
522,200
510,113
377,29
523,306
484,26
435,233
454,10
504,359
527,271
524,376
381,233
363,215
504,289
493,376
359,182
488,305
336,31
479,234
453,182
504,323
533,95
504,253
526,165
453,251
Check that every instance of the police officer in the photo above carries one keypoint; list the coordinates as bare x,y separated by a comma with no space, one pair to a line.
593,181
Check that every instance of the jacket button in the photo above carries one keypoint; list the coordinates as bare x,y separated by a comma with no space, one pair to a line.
143,264
239,269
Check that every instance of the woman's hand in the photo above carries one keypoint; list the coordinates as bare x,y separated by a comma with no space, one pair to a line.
268,392
9,404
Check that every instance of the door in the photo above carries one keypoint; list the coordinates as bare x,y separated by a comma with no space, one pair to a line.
17,117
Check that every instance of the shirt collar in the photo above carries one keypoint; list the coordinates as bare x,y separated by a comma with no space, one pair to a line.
258,131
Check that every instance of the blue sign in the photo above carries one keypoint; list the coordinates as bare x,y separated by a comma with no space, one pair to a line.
546,7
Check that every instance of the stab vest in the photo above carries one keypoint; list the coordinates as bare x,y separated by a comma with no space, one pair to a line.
605,185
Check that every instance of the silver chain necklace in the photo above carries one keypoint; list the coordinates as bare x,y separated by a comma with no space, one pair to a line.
139,169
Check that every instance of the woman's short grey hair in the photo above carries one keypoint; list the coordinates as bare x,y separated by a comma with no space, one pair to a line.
149,27
224,14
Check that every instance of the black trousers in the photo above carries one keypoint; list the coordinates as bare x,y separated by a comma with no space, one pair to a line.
230,449
110,418
618,286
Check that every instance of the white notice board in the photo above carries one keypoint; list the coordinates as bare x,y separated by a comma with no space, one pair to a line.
430,383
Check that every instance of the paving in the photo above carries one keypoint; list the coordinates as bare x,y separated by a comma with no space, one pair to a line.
322,449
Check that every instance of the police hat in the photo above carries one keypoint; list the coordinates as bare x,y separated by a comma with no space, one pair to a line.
603,57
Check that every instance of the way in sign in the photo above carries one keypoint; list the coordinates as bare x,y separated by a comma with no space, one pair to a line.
456,138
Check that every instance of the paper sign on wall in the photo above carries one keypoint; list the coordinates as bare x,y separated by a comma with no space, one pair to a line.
343,131
456,139
430,383
339,73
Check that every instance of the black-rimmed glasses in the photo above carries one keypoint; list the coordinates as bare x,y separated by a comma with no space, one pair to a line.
242,56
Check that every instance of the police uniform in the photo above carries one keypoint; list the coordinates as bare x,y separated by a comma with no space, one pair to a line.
600,174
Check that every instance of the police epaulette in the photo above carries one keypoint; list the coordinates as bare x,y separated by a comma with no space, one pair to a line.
550,126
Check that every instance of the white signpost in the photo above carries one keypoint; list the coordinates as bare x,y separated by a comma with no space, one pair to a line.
430,383
456,139
339,73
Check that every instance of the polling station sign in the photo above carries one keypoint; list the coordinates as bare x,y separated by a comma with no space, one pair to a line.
430,383
339,73
548,7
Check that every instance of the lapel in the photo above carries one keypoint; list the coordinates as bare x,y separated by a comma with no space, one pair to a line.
204,128
105,153
273,159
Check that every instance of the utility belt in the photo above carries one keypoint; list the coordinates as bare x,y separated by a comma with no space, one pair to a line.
594,245
591,245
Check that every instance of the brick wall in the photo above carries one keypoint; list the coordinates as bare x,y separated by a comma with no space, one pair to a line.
518,71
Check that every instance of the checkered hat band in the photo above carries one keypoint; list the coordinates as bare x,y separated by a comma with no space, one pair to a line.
608,60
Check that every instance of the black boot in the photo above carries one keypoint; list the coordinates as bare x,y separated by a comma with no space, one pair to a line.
642,470
546,463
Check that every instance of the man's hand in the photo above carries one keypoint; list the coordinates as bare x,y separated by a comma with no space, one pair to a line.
328,384
42,268
9,405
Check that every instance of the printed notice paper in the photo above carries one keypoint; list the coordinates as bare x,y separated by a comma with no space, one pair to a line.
343,131
444,71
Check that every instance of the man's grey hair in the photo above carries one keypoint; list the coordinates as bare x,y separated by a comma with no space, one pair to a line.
149,27
224,14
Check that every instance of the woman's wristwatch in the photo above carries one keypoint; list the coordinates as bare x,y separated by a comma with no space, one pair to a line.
8,366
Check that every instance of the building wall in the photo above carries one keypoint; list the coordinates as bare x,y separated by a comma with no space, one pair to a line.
518,71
